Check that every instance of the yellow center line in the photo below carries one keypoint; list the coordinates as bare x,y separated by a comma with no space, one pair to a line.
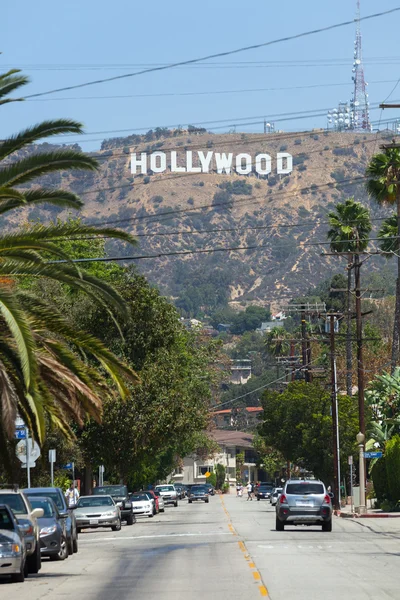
257,577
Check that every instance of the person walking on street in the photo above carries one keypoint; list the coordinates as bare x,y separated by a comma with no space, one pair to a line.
249,491
72,495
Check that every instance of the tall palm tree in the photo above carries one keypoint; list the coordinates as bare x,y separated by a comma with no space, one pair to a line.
44,368
350,227
384,187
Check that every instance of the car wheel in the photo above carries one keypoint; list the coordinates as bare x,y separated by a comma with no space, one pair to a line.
35,561
327,526
207,501
162,509
117,527
63,553
151,516
176,503
70,543
258,499
190,501
75,543
19,577
279,526
129,520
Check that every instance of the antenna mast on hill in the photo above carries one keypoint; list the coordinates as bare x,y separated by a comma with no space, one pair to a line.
359,102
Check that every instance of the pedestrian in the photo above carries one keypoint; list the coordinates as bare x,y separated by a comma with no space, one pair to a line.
249,491
71,495
240,490
237,489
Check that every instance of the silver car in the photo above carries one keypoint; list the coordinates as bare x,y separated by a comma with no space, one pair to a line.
276,492
169,493
12,546
304,502
97,511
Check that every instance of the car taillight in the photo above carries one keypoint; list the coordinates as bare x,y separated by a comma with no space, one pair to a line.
282,499
327,499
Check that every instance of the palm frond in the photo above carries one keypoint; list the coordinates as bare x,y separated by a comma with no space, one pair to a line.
31,167
60,231
43,130
8,399
388,235
9,82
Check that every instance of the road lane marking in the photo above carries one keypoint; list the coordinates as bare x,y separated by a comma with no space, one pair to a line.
263,590
242,546
252,565
149,537
256,575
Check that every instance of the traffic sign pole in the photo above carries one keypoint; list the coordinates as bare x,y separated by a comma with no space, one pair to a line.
28,469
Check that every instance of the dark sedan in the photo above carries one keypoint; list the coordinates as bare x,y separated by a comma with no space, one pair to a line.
53,535
263,492
198,492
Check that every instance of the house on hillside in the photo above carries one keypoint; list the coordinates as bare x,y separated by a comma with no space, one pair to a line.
231,443
267,326
240,371
229,417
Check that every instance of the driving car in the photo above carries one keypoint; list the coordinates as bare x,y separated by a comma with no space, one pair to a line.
58,497
142,504
276,492
169,493
198,492
161,503
97,511
304,502
53,535
12,546
263,491
119,494
180,489
27,518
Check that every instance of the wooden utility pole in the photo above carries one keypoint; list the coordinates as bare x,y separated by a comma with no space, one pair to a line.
359,336
335,418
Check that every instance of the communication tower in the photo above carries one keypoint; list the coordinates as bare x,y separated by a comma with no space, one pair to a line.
359,101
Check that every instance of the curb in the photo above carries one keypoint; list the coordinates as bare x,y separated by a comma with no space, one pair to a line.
346,515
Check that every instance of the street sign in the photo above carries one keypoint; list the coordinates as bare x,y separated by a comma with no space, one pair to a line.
52,456
350,460
20,434
31,465
373,454
68,466
34,451
207,474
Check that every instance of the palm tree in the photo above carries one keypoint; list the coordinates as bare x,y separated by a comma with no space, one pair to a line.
384,186
41,377
350,226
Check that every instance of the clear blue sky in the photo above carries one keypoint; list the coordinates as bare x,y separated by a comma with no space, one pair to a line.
65,43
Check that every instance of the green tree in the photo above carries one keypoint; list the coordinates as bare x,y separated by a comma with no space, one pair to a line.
220,473
392,461
384,187
40,376
349,233
277,342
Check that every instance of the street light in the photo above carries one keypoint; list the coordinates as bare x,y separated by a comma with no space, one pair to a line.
360,437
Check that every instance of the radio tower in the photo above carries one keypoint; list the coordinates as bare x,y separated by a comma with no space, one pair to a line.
359,102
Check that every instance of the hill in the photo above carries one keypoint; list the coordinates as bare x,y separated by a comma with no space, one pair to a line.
279,216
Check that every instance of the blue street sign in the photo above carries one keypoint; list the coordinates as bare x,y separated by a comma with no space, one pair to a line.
20,434
68,466
372,454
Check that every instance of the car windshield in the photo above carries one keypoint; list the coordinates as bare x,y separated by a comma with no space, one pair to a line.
199,488
6,521
265,488
86,502
15,502
45,504
53,494
110,490
157,493
139,497
301,489
165,488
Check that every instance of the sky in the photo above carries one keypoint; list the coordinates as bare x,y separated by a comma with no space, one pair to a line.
61,44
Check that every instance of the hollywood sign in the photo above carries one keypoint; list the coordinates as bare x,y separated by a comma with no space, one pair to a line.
204,162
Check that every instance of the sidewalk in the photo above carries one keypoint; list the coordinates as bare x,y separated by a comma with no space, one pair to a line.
373,513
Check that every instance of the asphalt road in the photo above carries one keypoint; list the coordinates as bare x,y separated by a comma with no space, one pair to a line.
227,549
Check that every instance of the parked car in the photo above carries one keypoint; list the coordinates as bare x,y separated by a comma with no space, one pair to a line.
58,497
263,491
97,511
276,492
199,492
181,490
142,504
304,502
161,503
119,494
152,495
53,534
28,519
12,546
169,493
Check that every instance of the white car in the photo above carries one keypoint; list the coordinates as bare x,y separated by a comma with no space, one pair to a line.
169,493
161,503
276,492
142,505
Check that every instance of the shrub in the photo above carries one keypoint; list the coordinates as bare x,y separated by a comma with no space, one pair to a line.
326,148
297,142
157,199
283,148
302,168
126,150
190,201
392,460
209,144
239,186
220,476
146,180
379,477
212,479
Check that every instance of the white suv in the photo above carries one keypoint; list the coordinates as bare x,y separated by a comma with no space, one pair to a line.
169,493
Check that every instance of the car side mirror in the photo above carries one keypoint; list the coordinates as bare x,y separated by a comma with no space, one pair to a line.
72,507
37,513
63,515
128,505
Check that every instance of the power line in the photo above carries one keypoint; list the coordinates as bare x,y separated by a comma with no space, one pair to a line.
216,55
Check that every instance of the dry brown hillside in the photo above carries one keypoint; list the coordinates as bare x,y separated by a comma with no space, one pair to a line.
255,211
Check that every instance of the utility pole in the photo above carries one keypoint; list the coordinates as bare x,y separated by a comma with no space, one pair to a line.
349,349
335,418
359,334
304,343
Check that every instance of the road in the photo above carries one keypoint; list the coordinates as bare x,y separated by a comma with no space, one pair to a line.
227,549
